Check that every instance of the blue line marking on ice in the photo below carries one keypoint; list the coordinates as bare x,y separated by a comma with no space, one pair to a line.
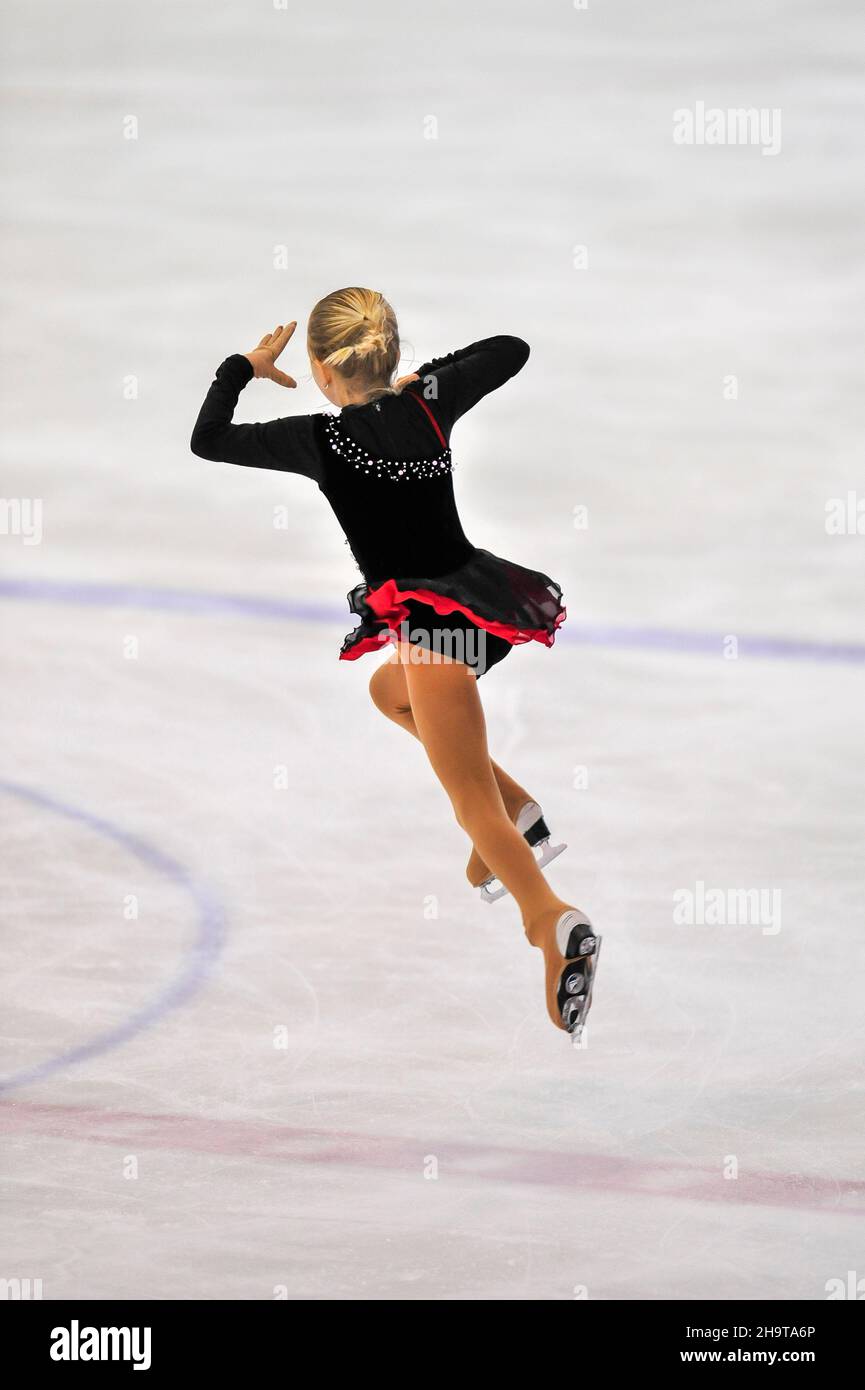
194,967
623,637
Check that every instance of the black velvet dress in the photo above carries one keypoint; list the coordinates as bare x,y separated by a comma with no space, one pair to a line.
386,470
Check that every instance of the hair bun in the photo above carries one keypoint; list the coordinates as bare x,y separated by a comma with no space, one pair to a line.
376,340
355,329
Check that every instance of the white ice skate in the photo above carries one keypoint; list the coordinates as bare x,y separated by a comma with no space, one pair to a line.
531,824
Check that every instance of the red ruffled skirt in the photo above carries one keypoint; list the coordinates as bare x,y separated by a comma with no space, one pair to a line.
506,603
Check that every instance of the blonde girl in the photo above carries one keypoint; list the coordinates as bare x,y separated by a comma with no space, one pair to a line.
448,610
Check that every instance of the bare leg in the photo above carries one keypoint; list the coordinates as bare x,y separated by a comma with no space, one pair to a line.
438,703
449,720
389,693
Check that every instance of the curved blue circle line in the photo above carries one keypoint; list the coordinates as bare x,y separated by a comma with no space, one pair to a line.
194,967
622,636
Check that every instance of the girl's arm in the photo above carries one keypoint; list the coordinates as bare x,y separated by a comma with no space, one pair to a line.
288,444
459,380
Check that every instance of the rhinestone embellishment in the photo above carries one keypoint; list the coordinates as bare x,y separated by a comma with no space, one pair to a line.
393,469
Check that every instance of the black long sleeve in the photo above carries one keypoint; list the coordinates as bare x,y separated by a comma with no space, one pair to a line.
462,378
384,466
288,444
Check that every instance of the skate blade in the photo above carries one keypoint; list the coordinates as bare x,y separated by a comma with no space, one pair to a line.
492,895
547,854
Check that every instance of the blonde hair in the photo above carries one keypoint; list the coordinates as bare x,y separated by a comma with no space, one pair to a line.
355,331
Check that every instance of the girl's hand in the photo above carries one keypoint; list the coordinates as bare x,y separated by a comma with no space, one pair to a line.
404,380
263,357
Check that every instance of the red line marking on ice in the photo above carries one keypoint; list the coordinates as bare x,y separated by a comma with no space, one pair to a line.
542,1168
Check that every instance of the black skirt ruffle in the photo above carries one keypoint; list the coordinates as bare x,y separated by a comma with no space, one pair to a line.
475,613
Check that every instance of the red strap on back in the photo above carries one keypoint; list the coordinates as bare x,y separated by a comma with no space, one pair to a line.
433,421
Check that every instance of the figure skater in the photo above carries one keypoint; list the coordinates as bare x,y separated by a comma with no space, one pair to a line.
449,610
